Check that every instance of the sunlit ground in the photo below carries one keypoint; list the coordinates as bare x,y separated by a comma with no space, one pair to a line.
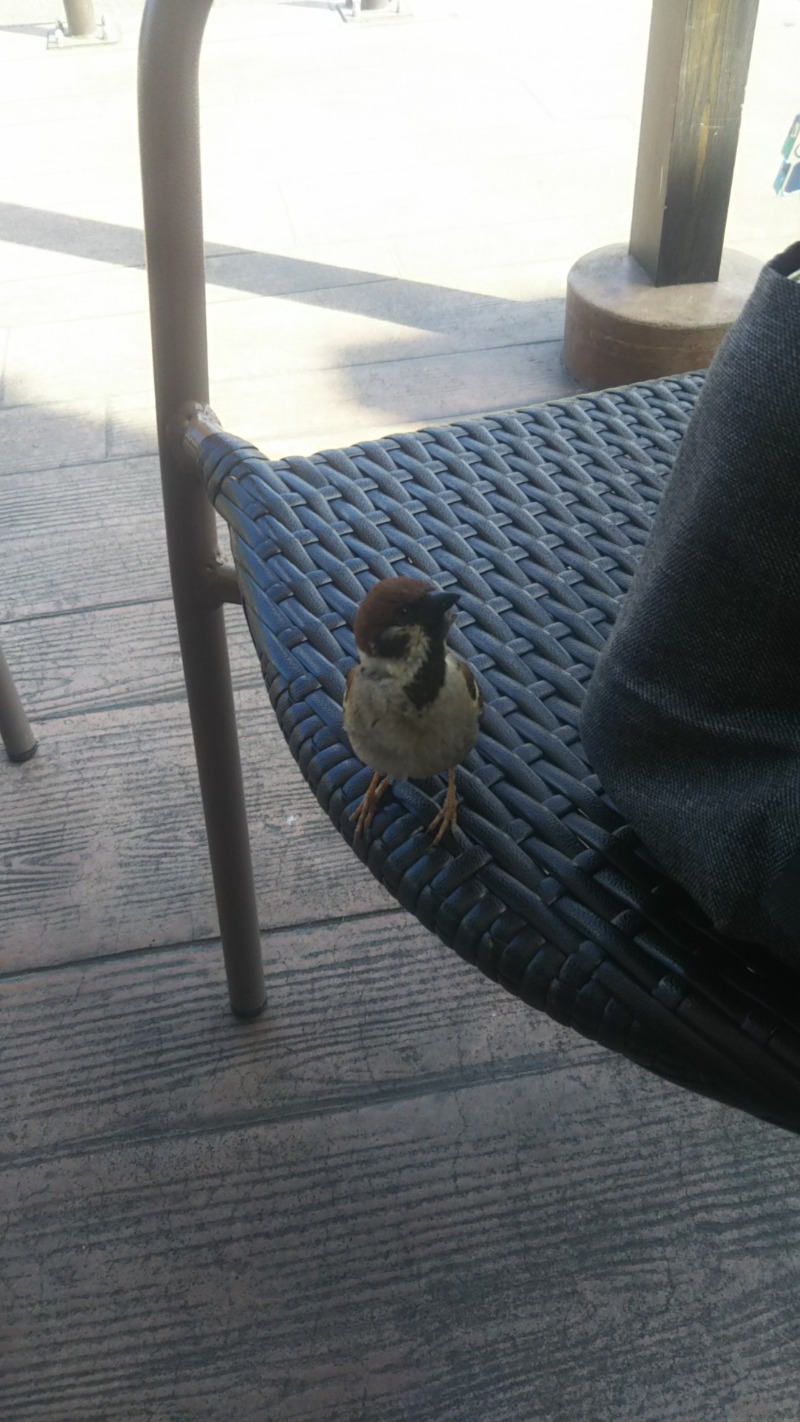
411,195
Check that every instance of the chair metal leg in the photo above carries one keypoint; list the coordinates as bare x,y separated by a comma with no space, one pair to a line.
17,736
169,52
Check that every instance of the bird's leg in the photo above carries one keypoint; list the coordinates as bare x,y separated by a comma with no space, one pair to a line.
365,813
446,818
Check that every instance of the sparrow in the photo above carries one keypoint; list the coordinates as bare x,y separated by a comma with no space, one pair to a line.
411,708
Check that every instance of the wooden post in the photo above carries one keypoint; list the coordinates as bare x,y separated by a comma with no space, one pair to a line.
697,66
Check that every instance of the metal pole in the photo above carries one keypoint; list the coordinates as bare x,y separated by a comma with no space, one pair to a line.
169,52
80,17
15,731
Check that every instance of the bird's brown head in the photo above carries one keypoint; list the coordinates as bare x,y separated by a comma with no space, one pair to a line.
395,610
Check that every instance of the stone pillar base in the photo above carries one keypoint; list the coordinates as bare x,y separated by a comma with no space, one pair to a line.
620,328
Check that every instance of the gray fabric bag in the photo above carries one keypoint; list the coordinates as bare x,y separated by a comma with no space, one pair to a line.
692,717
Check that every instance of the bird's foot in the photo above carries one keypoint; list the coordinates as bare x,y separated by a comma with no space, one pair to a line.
365,813
447,816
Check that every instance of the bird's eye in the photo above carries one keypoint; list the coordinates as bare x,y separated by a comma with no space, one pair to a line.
404,611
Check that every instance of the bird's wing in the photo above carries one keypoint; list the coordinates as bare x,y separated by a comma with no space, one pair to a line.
349,686
472,685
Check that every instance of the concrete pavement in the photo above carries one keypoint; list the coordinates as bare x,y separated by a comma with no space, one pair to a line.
391,210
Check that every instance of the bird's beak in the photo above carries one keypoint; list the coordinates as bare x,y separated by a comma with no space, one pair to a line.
440,602
436,611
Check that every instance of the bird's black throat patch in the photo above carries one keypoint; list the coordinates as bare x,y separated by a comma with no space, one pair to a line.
393,644
429,680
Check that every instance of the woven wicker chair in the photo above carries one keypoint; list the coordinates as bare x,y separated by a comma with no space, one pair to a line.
537,517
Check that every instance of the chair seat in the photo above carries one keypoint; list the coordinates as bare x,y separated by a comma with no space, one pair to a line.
537,517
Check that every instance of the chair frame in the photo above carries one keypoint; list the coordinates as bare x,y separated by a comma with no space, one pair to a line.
169,133
15,728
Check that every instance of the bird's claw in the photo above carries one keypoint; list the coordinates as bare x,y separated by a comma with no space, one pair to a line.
447,817
364,813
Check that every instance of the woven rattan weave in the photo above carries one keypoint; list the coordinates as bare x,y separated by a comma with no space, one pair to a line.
537,517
